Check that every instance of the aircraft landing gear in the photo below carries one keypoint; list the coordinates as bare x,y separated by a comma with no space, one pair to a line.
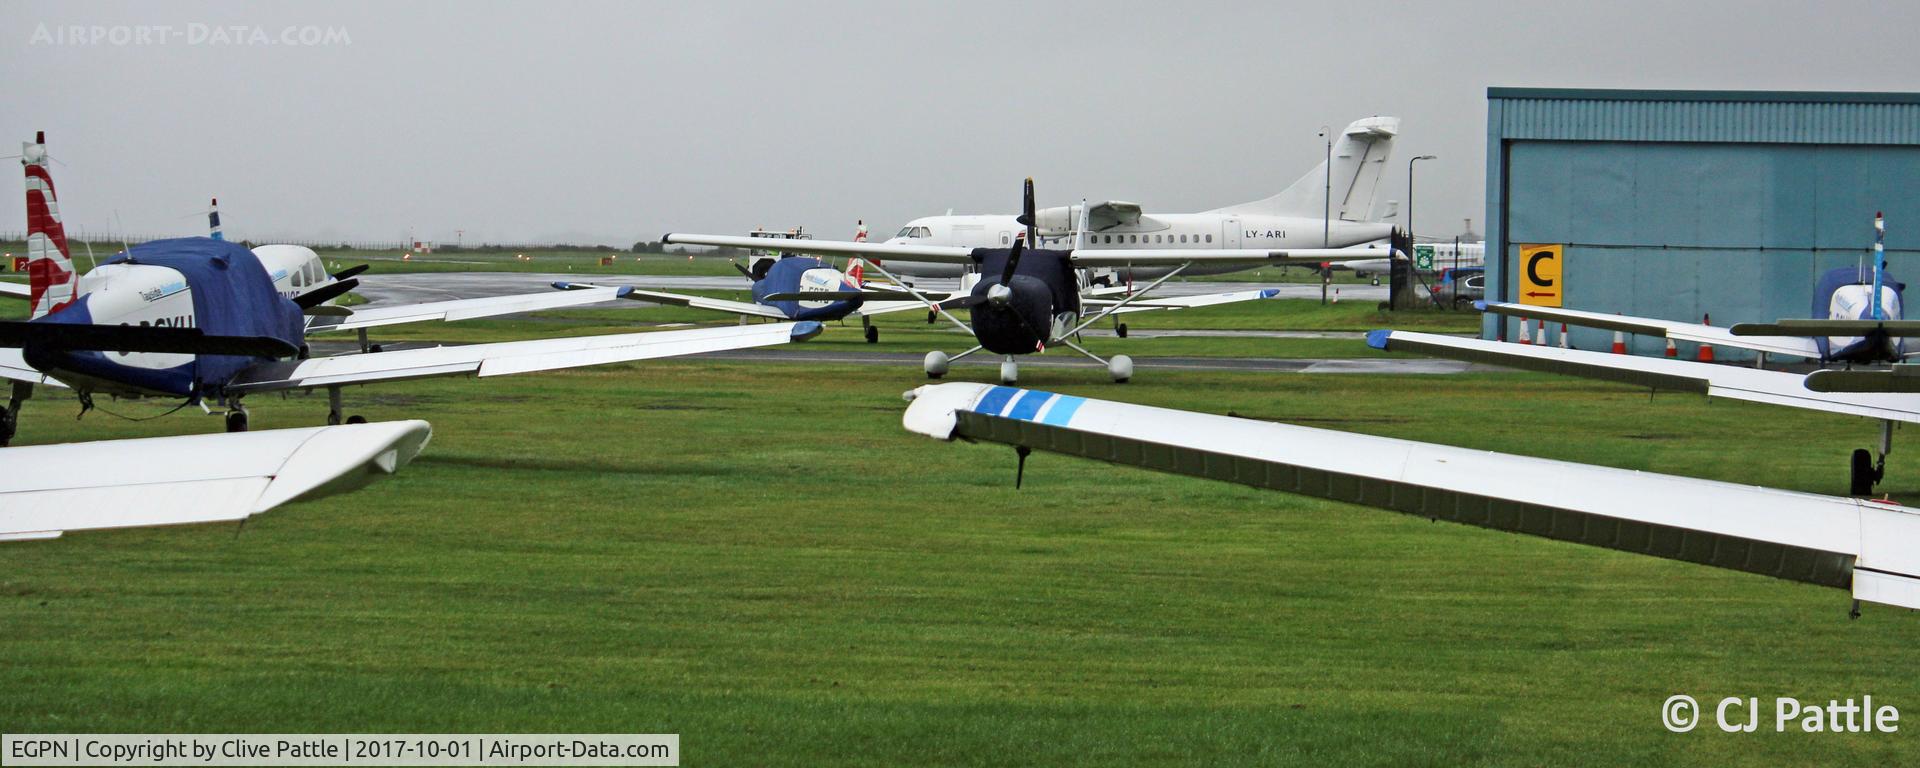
873,334
1121,368
237,419
366,346
1866,472
10,418
334,410
1009,371
935,364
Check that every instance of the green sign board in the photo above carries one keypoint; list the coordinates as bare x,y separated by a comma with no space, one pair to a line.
1423,257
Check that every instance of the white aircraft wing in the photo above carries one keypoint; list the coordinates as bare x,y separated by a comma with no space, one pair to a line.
685,300
50,489
1733,382
509,357
1184,302
13,367
15,290
1168,257
463,309
939,254
1797,346
1869,547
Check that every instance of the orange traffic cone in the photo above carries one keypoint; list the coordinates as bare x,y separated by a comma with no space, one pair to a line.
1526,331
1706,350
1671,351
1563,336
1619,343
1540,334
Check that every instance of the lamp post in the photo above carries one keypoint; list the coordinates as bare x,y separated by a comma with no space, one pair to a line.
1411,242
1326,214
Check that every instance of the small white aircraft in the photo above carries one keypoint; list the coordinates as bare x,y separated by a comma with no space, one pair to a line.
206,320
48,490
1022,300
1867,546
1297,218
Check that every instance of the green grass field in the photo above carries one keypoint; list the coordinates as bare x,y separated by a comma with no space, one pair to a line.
758,557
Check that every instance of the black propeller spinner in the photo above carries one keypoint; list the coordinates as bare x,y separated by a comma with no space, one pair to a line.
1012,313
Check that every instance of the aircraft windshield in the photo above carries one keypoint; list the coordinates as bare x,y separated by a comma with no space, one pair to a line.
914,232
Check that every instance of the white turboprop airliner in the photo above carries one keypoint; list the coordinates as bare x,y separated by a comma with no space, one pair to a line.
1869,547
1296,219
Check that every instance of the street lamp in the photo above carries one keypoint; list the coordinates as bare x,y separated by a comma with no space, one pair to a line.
1326,214
1411,243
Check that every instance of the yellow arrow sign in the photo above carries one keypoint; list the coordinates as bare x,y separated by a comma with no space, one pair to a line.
1540,275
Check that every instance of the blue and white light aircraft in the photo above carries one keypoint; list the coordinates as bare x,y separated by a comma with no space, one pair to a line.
210,322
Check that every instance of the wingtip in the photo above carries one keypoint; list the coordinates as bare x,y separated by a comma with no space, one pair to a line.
1378,338
1268,293
623,291
806,329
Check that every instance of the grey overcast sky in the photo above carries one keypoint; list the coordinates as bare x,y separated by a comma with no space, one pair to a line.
591,122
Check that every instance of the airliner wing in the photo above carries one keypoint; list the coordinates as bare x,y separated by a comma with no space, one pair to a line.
1737,383
50,489
1797,346
464,309
1112,213
1169,257
1869,547
502,358
1184,302
747,308
940,254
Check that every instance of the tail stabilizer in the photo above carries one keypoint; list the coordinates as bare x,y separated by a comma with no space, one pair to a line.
1359,157
51,277
856,274
213,220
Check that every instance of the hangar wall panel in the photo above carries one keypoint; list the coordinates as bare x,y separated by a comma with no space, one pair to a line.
1687,204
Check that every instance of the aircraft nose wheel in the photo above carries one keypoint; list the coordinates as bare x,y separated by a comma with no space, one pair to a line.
1120,330
1009,372
873,335
236,420
1865,474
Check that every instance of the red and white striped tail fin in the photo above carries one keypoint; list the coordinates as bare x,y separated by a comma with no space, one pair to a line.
50,274
856,273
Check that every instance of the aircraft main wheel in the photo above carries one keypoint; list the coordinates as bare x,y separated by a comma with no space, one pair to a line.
932,315
306,352
356,419
1120,330
236,421
1121,367
935,364
9,421
873,335
1863,475
374,348
333,418
1009,373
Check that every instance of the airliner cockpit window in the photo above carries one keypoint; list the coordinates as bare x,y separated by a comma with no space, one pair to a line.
914,232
